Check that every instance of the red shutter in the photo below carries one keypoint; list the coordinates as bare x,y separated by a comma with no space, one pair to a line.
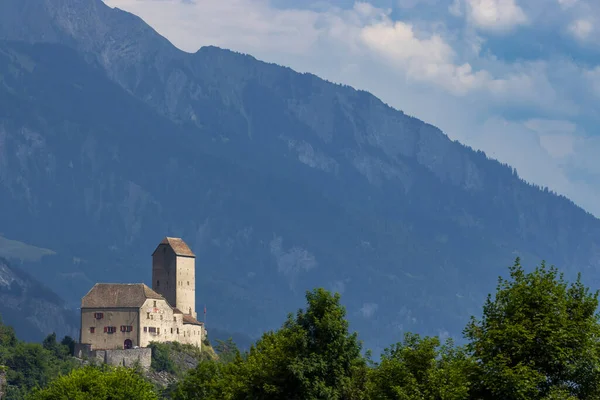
105,329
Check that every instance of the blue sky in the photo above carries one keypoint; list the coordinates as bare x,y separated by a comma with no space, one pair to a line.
517,79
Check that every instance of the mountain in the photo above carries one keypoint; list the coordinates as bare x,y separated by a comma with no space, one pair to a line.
111,138
31,308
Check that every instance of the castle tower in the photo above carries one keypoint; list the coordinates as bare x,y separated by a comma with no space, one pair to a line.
174,274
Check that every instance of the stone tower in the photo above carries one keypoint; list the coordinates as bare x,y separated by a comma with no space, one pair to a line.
174,274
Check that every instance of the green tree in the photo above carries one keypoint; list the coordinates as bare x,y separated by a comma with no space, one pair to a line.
312,356
205,382
92,383
69,343
421,369
227,350
538,338
160,360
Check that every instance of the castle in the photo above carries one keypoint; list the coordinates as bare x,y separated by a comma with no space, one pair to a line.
117,316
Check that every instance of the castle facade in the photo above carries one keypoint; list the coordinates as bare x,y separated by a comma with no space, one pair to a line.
131,315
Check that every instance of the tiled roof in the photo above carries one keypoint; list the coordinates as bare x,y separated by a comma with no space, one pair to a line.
118,295
176,310
178,245
188,319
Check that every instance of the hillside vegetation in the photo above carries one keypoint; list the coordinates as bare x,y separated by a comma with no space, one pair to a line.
538,339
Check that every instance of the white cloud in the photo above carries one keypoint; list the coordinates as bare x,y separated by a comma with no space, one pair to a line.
496,15
567,3
593,77
456,8
557,137
427,69
423,59
368,309
581,28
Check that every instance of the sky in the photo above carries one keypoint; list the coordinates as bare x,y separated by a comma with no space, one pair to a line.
517,79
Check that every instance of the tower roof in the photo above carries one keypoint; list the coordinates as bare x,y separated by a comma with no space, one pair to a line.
178,245
118,295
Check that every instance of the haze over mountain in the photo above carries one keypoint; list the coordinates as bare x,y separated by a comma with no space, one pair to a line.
111,138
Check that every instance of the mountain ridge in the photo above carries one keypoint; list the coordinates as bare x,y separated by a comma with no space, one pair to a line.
279,181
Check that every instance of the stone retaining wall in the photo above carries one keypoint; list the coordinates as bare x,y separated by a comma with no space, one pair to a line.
126,358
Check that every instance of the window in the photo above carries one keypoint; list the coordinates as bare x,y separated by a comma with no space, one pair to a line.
92,329
126,328
158,331
178,331
147,315
161,317
175,319
145,329
188,283
152,329
110,329
154,303
171,331
157,284
98,315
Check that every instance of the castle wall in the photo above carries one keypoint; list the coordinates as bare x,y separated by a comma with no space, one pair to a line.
113,317
164,273
158,323
192,334
117,357
186,285
129,358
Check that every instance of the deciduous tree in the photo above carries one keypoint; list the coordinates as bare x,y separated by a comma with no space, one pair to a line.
538,338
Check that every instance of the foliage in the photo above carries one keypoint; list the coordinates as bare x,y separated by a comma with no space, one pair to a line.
227,350
204,382
419,368
31,365
160,358
91,383
538,338
176,358
311,356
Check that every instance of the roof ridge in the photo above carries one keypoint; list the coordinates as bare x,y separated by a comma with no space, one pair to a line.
178,245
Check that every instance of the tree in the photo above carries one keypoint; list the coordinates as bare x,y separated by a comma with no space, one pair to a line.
421,368
227,350
205,382
312,356
97,384
160,358
538,338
